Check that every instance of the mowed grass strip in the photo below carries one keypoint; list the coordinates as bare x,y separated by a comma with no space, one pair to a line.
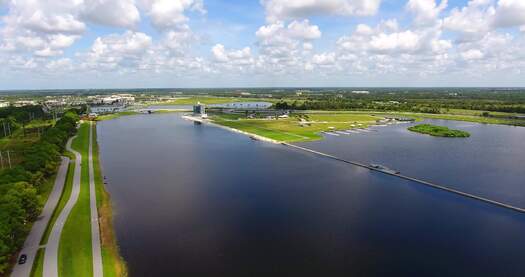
112,261
38,266
75,254
192,100
292,130
37,270
66,193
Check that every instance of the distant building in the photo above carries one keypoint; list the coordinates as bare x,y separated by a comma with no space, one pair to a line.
23,103
361,91
199,110
106,109
4,104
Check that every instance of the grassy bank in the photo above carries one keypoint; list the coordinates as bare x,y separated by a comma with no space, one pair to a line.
115,115
113,263
191,100
66,193
438,131
458,115
303,127
75,254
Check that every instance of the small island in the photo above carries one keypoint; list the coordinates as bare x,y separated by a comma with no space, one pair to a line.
438,131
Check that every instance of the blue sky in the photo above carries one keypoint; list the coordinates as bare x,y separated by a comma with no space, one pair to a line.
218,43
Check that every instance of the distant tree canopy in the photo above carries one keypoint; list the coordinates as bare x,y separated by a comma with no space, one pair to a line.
386,103
19,186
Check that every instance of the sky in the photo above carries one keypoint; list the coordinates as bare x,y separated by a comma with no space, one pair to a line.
61,44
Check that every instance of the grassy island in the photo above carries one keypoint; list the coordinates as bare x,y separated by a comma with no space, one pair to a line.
438,131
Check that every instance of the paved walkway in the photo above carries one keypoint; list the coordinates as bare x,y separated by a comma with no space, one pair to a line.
32,243
51,253
95,233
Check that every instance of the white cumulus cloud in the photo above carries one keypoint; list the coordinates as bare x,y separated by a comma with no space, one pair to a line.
296,9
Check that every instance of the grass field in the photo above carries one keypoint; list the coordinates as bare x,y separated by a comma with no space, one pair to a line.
459,115
75,254
75,258
292,129
112,261
115,115
468,118
38,266
191,100
66,193
438,131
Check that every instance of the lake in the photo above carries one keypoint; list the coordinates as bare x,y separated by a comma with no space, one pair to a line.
490,163
196,200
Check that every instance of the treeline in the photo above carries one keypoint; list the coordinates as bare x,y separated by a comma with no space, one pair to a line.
403,105
19,186
13,118
342,104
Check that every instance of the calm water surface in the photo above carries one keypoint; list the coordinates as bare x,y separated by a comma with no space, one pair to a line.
490,163
202,201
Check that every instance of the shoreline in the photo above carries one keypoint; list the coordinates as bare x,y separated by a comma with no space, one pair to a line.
113,262
207,121
422,182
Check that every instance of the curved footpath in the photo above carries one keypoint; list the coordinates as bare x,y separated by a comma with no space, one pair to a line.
32,243
51,253
95,232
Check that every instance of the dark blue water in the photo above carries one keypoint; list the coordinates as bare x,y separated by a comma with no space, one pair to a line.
491,163
200,201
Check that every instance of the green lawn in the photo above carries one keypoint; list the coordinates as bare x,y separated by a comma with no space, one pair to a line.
438,131
75,254
191,100
291,129
115,115
38,266
459,115
66,193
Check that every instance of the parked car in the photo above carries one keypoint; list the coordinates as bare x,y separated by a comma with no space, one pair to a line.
22,259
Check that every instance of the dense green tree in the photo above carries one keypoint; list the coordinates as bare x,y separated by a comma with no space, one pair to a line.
19,205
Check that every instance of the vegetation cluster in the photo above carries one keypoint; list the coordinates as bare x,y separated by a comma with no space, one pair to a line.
21,186
438,131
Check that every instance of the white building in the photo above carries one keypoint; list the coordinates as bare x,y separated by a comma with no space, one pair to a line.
106,109
23,103
4,104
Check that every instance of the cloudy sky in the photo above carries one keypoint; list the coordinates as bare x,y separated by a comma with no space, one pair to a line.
245,43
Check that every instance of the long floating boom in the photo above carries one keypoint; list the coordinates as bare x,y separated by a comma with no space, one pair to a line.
393,173
436,186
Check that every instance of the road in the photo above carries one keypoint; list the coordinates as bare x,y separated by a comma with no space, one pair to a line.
95,233
51,253
32,243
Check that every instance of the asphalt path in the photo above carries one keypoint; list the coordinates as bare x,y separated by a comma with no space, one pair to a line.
95,231
51,253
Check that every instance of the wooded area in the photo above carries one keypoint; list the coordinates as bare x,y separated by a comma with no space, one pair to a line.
19,185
